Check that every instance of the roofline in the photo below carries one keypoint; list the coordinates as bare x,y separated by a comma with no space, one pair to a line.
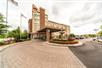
58,23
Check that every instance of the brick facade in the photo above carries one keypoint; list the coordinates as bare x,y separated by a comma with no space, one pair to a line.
42,17
39,21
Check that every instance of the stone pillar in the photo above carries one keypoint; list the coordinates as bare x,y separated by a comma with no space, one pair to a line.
48,35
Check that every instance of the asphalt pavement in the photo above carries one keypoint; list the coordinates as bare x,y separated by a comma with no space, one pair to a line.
90,54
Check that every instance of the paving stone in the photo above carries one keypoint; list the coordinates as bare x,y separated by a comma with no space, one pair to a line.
32,54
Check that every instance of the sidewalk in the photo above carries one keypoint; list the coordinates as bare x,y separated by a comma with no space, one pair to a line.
73,57
6,46
33,54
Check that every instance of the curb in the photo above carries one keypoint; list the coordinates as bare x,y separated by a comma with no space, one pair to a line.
64,45
2,48
75,57
97,42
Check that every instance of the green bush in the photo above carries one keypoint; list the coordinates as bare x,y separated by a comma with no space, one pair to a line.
2,43
24,35
2,36
18,35
71,36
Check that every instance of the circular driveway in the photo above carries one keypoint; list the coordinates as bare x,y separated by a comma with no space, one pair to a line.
33,54
90,54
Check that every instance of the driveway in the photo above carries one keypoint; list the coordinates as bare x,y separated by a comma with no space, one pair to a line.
90,54
33,54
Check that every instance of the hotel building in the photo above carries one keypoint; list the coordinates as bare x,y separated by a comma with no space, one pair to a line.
40,27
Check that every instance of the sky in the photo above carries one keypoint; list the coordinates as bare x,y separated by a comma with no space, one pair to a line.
83,16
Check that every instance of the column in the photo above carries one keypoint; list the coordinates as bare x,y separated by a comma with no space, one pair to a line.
48,35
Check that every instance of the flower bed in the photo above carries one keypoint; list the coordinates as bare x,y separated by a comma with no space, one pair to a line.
64,41
6,41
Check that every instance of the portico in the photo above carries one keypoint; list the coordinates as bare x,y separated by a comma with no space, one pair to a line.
48,31
40,27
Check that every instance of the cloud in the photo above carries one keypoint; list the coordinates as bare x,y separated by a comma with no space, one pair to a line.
78,13
58,7
91,12
55,10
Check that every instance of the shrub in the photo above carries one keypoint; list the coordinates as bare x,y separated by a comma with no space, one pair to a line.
71,36
2,43
18,35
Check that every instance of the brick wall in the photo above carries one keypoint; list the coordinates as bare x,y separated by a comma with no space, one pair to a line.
42,17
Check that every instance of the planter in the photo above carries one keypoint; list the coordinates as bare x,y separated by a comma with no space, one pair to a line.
65,41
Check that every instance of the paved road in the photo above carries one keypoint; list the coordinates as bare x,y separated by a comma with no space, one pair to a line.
33,54
90,54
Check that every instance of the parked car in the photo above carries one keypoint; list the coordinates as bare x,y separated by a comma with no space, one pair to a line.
6,41
77,37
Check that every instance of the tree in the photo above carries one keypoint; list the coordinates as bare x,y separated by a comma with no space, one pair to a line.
18,35
15,34
3,26
101,27
24,35
99,33
71,35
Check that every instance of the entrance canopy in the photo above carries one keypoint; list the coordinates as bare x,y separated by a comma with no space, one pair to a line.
51,29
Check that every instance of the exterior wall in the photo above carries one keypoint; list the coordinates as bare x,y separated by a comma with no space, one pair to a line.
36,22
46,19
59,26
34,10
55,35
30,25
68,30
40,20
42,17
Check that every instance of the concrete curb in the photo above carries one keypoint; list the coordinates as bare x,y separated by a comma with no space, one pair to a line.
65,45
2,48
73,56
97,42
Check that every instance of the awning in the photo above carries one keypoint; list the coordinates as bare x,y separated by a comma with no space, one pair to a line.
51,29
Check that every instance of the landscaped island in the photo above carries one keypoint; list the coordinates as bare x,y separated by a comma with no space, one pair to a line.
64,41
